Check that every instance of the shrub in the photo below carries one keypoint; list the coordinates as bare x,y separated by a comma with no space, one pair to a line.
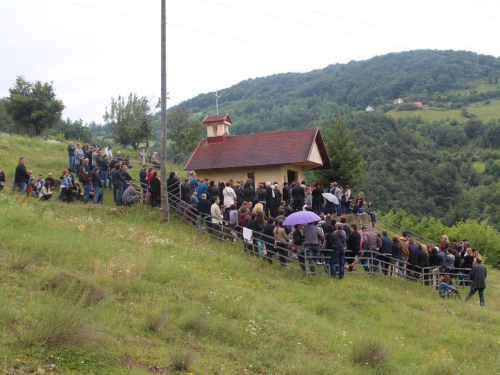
156,320
182,359
369,352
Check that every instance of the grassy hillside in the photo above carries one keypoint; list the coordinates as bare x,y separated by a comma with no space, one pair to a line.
99,291
484,111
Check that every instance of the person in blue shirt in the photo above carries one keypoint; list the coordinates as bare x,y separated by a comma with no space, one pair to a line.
193,182
445,288
202,188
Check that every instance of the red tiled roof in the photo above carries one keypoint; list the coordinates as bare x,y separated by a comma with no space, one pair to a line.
285,147
217,119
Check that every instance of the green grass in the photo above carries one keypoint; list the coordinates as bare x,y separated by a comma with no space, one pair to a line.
484,112
99,292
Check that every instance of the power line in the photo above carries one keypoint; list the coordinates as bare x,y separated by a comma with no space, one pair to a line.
330,29
284,19
368,24
109,11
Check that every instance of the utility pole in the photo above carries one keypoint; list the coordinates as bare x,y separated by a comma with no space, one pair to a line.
163,104
216,102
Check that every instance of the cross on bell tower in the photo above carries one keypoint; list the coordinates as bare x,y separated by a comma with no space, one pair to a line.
216,102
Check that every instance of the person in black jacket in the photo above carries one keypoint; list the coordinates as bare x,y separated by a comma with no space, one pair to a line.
118,183
286,192
478,275
423,263
21,177
96,184
186,191
239,195
261,195
353,244
268,237
298,196
317,199
213,191
50,180
86,182
155,190
143,178
395,254
277,199
385,252
105,169
249,192
173,188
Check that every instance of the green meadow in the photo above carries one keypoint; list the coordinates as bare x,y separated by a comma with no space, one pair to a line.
480,110
100,290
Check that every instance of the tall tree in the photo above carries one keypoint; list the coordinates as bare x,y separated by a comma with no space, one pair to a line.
130,123
346,157
34,105
184,133
6,123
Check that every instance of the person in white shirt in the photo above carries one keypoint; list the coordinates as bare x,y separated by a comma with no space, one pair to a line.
107,151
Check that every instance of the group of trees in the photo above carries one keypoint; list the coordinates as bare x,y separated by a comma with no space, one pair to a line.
32,107
131,122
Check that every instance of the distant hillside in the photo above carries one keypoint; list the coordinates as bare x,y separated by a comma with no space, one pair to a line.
299,100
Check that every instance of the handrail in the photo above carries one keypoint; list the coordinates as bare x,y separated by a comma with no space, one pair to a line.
265,248
399,229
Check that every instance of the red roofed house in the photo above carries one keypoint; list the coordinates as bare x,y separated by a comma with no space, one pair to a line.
398,101
277,156
418,104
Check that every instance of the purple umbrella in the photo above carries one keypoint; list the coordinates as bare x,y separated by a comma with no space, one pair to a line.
301,217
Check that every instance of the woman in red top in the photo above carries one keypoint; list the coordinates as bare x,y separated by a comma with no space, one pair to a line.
150,175
445,244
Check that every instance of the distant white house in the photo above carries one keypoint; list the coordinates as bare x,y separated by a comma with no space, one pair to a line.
418,104
398,101
370,109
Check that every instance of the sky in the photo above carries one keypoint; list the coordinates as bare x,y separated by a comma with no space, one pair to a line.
95,50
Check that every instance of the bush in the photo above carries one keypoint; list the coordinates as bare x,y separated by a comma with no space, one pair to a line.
369,352
156,320
182,360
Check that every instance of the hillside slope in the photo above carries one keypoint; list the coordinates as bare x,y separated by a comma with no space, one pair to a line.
298,100
96,291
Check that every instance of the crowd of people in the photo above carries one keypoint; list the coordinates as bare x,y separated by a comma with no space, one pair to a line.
90,172
230,208
235,207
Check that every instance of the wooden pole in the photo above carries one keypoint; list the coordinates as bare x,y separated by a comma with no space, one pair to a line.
163,104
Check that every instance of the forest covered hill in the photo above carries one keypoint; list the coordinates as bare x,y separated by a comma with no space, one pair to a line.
296,100
441,160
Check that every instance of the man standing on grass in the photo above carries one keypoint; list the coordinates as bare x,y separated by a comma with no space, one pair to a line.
405,254
143,178
478,277
338,243
21,177
71,155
